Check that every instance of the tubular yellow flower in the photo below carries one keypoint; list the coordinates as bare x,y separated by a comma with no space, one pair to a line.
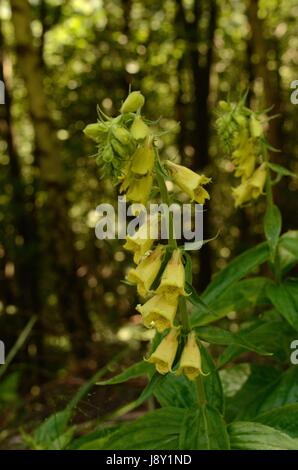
173,278
190,361
241,194
244,158
143,158
189,181
160,311
133,102
258,180
145,273
251,188
142,240
140,188
139,129
164,355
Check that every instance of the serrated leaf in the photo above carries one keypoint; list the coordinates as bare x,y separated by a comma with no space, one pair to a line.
203,428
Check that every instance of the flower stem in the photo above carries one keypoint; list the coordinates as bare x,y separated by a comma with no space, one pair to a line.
202,400
183,314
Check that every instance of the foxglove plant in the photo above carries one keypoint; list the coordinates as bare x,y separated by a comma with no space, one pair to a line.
183,377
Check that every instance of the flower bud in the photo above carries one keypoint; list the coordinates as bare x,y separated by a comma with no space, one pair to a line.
93,131
121,134
145,273
133,102
173,278
164,355
189,182
190,361
159,311
258,180
139,130
255,126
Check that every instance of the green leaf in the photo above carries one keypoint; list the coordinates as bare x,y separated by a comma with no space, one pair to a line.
271,334
272,227
176,391
288,250
52,428
246,293
212,382
255,436
157,430
236,269
284,418
281,170
216,335
245,403
203,428
282,392
136,370
284,297
93,440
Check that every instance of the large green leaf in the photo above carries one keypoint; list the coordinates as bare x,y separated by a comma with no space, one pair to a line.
203,428
245,403
243,294
284,297
271,334
288,250
216,335
176,391
236,269
157,430
136,370
212,382
284,418
245,435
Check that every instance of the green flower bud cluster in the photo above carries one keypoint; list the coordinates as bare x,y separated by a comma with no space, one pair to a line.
118,138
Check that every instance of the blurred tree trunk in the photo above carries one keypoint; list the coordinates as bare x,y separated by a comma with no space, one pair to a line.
25,256
55,226
200,66
259,47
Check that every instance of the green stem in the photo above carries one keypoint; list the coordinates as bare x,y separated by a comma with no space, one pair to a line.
202,400
183,314
164,194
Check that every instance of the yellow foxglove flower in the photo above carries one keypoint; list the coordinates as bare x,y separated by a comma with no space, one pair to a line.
164,355
190,361
133,102
139,189
145,273
139,129
142,240
159,311
246,167
173,278
242,193
258,180
189,181
143,158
